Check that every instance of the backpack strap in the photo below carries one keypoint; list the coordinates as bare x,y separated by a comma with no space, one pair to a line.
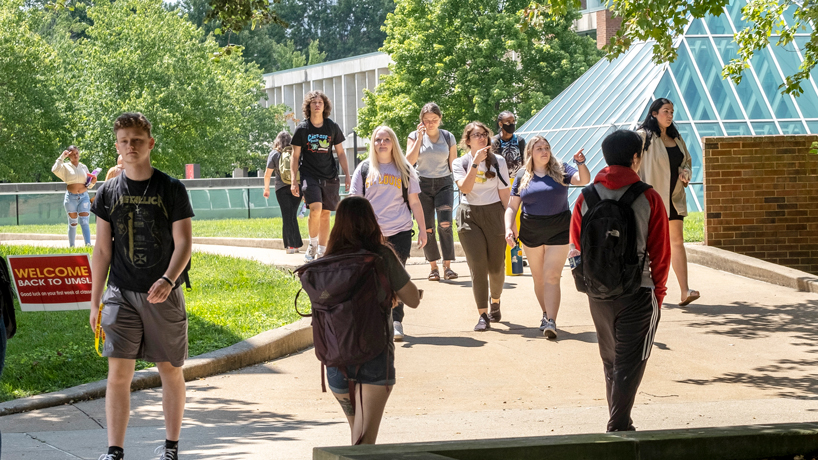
633,192
364,173
496,165
591,195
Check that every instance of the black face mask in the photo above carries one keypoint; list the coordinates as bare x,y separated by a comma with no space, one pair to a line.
510,127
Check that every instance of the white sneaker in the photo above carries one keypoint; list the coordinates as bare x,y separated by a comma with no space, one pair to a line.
550,330
398,331
310,255
292,250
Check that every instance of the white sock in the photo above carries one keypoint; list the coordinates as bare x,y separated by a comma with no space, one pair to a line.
314,241
321,249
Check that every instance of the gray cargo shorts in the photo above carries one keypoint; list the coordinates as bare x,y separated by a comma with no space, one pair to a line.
137,329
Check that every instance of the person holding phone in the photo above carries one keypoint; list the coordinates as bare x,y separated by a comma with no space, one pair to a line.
433,150
389,182
77,202
541,188
666,165
482,178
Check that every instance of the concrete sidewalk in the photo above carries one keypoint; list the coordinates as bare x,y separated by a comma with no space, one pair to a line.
743,354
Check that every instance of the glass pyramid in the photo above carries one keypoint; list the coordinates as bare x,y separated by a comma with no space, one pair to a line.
616,94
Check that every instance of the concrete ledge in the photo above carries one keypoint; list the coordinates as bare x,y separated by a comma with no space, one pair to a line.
741,442
263,347
751,267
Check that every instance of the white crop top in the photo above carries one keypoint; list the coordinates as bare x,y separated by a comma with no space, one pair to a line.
69,173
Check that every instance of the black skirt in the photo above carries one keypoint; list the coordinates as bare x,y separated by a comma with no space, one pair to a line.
545,230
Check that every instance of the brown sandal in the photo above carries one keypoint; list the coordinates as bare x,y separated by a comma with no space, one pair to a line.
434,275
449,274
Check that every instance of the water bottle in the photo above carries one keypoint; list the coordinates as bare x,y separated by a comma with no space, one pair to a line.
573,257
517,260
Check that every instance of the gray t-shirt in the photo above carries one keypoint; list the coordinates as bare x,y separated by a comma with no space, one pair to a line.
433,159
385,193
485,190
272,163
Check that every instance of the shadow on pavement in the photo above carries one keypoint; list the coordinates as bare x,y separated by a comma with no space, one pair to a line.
467,342
748,321
535,332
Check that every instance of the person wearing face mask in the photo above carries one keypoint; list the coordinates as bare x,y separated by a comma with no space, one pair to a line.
482,178
507,144
432,150
666,165
77,202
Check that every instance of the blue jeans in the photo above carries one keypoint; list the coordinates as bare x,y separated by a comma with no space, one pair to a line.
77,203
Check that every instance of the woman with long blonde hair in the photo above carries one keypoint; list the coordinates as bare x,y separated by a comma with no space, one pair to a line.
391,185
541,187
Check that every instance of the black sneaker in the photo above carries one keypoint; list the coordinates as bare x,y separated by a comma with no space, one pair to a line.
166,454
494,312
483,324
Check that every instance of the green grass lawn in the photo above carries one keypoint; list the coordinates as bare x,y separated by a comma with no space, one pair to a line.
271,228
232,299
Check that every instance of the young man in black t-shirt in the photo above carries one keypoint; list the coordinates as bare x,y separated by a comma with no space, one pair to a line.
507,144
313,141
143,245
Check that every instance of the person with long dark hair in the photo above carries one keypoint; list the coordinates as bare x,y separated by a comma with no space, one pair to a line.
356,228
482,178
432,150
541,190
666,165
77,202
288,203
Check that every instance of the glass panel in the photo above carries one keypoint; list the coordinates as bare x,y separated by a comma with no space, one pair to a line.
737,129
709,129
691,88
718,25
748,92
770,79
263,207
695,197
42,208
792,127
219,203
789,61
8,210
765,129
788,16
696,28
734,9
694,146
813,127
667,90
710,68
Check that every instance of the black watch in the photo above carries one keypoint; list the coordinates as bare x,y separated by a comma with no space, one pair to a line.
474,165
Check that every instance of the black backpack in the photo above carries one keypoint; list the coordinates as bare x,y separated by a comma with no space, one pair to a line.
7,299
609,265
404,187
351,300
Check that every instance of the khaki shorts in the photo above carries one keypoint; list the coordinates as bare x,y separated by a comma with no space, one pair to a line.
137,329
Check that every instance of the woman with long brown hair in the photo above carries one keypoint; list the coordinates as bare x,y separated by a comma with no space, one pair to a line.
287,203
482,178
356,228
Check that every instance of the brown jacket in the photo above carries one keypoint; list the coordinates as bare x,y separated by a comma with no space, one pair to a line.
655,170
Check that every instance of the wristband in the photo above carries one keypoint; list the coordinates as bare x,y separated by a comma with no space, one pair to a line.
167,279
579,163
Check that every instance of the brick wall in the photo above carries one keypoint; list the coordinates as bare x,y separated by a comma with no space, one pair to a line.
761,198
606,27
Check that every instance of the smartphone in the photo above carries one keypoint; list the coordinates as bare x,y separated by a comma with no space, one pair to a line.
420,294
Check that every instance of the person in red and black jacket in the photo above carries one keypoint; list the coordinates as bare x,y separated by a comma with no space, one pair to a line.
626,326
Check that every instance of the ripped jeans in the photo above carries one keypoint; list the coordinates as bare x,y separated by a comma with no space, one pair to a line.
78,203
437,197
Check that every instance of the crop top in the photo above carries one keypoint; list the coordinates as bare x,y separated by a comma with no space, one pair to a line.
69,173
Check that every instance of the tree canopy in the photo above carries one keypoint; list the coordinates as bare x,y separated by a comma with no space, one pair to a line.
663,20
474,60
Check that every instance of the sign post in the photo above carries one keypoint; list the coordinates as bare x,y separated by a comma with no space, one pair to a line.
52,282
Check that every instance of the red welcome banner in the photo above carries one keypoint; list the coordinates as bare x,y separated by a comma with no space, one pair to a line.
52,282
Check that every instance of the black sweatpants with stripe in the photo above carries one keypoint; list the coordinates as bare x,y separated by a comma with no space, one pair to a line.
625,328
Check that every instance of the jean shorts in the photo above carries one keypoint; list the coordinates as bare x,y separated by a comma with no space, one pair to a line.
373,372
77,202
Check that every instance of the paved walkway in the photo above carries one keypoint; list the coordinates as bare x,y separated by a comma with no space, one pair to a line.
744,354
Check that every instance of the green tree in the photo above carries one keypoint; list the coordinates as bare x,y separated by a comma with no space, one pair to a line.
140,57
31,127
663,20
473,59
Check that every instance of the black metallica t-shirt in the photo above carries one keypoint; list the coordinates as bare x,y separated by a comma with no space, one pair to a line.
141,214
317,160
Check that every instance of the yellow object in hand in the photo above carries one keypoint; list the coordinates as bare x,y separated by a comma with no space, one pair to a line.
99,334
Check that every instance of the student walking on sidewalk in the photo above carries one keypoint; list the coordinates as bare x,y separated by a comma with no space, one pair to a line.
626,323
433,150
482,178
541,187
388,181
507,144
313,142
287,202
666,166
144,238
